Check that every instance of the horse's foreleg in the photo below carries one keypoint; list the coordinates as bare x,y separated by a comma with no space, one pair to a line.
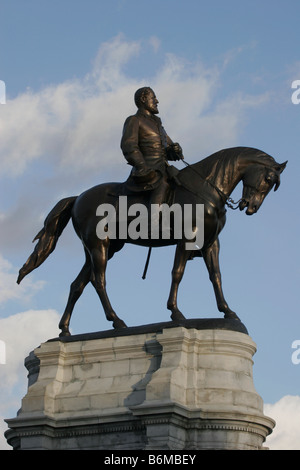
211,258
76,290
181,257
99,261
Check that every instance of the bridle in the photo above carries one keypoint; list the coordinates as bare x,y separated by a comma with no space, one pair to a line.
228,201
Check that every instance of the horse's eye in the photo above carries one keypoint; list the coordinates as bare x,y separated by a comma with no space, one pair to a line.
270,179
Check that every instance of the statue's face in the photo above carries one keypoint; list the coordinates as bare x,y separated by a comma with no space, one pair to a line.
150,103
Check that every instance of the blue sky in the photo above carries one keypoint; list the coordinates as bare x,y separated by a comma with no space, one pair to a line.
222,72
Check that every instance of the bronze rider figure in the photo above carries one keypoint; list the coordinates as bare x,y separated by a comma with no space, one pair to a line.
147,147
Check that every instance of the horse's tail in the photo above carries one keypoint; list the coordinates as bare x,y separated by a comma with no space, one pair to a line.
54,225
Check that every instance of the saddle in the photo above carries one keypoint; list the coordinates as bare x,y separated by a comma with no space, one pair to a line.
146,183
137,183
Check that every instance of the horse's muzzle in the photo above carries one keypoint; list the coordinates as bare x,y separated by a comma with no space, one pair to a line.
251,209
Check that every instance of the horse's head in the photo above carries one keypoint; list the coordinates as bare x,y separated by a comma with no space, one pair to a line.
258,181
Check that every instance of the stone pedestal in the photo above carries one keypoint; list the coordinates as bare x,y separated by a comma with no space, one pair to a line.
157,387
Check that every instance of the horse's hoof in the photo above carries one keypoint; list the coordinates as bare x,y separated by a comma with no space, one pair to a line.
119,324
177,316
231,316
64,332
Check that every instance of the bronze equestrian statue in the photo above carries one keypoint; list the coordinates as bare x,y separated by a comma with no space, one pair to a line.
209,182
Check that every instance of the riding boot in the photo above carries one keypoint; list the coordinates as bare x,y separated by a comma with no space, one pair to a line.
158,197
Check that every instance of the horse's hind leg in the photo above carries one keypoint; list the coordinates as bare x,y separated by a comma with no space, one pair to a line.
76,290
99,260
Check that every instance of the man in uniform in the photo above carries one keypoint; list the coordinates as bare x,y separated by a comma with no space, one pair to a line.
147,147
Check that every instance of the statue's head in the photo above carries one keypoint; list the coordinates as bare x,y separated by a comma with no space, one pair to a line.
145,98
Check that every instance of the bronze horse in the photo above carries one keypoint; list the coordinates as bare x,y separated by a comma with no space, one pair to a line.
209,182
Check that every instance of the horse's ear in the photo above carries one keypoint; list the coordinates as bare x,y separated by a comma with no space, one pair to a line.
280,167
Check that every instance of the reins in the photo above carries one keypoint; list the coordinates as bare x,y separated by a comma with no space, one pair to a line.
227,200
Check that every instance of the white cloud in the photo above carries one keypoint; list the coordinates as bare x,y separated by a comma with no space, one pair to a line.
286,413
155,43
71,124
21,333
9,289
76,125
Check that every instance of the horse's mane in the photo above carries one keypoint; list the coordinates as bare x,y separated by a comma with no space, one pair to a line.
222,164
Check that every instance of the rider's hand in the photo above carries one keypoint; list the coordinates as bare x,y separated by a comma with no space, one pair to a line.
177,151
